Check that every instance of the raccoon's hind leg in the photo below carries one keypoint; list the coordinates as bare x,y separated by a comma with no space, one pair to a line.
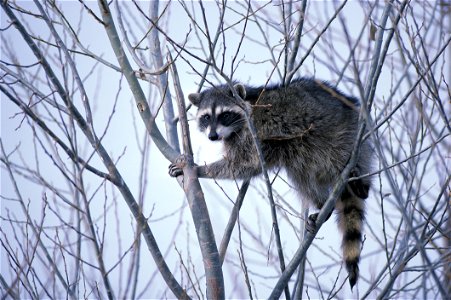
351,214
359,187
317,195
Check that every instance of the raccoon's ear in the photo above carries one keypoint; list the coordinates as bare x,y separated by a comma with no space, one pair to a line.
194,98
241,90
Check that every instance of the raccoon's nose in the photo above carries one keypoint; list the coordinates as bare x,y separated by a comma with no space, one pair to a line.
213,136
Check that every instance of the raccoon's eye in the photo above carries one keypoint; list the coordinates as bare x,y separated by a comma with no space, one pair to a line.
228,118
226,115
204,121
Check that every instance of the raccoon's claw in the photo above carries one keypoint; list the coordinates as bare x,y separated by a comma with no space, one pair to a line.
310,225
311,222
176,168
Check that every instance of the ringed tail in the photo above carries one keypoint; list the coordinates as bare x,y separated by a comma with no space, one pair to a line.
351,214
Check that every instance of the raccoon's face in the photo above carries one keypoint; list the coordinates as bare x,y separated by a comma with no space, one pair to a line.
218,116
219,123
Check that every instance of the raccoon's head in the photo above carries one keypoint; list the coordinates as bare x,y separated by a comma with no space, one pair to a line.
218,114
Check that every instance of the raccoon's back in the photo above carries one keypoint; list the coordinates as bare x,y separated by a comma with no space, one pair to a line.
305,125
303,106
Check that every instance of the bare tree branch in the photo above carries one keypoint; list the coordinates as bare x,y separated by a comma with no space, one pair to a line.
199,210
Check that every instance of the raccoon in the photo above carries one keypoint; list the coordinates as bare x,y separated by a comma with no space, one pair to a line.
306,127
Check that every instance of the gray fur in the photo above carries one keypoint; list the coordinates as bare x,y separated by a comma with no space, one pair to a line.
308,128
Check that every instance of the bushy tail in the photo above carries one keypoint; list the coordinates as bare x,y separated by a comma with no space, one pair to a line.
351,213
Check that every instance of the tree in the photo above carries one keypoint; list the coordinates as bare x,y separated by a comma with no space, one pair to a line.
87,207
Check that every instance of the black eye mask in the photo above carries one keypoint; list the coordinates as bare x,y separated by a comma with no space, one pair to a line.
228,118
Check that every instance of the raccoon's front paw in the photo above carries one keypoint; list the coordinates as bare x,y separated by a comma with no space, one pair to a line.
310,225
176,168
